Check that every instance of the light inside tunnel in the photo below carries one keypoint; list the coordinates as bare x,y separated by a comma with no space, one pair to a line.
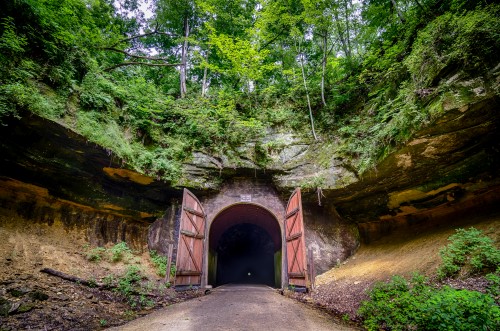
245,247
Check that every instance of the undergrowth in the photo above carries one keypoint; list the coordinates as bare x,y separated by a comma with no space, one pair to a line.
116,253
131,283
415,305
160,263
469,252
419,304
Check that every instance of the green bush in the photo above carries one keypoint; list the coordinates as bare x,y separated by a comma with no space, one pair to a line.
160,263
413,305
128,282
469,252
395,305
453,41
97,93
109,280
129,285
120,252
493,288
96,254
451,309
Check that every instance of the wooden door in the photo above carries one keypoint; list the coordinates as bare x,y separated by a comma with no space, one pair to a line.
190,244
295,243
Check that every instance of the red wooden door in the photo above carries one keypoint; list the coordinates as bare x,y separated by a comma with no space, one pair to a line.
295,244
191,241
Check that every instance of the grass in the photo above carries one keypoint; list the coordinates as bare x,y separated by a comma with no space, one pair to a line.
160,263
118,252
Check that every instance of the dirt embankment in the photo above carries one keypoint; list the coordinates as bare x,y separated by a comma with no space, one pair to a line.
30,299
341,289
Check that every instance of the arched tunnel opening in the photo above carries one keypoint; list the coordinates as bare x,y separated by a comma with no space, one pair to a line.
244,247
245,254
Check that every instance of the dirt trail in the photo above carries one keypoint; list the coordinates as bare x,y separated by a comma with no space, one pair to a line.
237,307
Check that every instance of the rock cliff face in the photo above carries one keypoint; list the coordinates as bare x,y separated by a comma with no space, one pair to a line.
450,168
52,175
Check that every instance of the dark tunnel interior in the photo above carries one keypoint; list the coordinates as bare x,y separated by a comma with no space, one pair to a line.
245,255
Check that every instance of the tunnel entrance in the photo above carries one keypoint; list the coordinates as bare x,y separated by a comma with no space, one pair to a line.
245,255
244,247
241,239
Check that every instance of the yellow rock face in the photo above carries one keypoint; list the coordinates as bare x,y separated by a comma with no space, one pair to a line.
128,174
397,198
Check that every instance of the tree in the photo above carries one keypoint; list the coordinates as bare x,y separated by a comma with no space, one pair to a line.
226,32
177,18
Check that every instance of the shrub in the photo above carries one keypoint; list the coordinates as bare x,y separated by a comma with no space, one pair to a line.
160,263
403,305
394,305
451,309
96,254
120,252
129,285
108,280
129,280
469,252
173,270
468,41
493,288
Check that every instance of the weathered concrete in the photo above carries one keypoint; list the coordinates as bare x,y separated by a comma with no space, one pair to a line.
237,307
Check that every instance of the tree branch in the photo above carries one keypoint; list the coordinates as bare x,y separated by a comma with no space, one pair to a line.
85,282
132,55
64,276
123,64
143,35
269,42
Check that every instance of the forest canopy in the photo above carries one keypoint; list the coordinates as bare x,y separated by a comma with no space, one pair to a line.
153,86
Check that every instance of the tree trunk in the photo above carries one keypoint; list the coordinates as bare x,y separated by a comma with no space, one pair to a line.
341,36
307,94
184,59
205,74
347,28
325,56
400,14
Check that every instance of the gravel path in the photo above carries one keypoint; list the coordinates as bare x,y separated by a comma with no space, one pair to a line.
237,307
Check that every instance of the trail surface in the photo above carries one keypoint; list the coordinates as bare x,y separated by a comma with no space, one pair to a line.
237,307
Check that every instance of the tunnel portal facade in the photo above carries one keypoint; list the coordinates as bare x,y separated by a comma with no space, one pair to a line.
243,234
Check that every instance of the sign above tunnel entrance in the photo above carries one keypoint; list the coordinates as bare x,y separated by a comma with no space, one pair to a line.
246,198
